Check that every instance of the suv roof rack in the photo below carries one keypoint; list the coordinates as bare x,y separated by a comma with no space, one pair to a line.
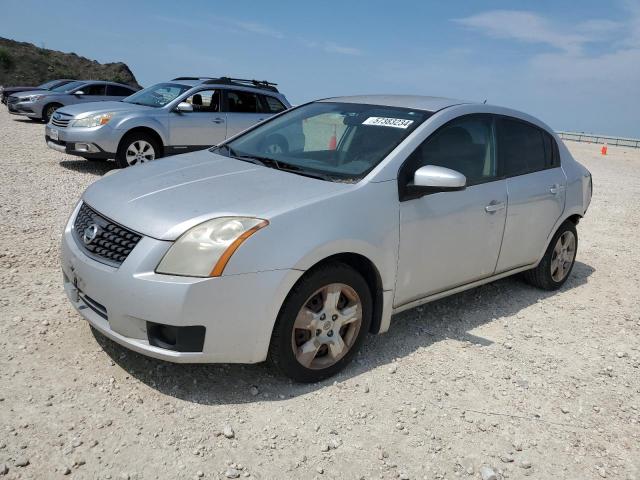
243,82
191,78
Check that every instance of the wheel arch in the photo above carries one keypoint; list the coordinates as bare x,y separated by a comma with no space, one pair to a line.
572,216
47,105
365,267
147,131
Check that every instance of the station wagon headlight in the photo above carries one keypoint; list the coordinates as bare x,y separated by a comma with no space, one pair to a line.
204,250
94,120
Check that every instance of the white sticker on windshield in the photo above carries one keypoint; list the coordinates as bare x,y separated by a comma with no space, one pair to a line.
388,122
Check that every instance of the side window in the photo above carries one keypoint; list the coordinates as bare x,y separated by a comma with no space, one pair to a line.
118,91
523,148
464,144
242,102
95,89
551,153
205,101
271,104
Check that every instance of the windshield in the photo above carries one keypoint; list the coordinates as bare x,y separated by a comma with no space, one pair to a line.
48,85
337,141
158,95
67,87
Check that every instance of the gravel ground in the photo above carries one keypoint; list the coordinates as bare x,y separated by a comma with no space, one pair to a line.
525,382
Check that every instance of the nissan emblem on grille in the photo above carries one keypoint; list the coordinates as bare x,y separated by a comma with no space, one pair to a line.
90,233
103,239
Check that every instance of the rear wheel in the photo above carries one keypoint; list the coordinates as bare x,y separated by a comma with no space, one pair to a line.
557,263
136,148
49,110
322,323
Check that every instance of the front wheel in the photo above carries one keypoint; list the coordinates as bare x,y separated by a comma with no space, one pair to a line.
557,263
321,324
136,148
48,111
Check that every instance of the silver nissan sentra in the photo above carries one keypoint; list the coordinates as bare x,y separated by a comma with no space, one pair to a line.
368,206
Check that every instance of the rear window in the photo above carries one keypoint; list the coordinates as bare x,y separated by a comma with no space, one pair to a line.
523,148
242,102
271,104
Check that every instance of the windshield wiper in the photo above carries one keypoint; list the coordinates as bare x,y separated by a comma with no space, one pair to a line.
245,158
277,164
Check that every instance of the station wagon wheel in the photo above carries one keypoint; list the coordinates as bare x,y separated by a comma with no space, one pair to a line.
136,148
322,323
140,151
557,262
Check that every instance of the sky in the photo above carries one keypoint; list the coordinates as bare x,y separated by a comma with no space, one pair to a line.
574,65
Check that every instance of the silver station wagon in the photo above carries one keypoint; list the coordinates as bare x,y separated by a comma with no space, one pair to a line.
182,115
369,206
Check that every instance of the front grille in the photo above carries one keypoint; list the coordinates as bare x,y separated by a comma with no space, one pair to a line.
112,242
60,121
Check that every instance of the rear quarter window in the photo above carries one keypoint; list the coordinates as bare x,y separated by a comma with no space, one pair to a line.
271,104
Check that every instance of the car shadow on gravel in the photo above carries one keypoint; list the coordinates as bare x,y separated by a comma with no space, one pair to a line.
451,318
95,167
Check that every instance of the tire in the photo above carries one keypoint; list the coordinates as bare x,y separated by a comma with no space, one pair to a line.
310,305
137,147
551,272
49,110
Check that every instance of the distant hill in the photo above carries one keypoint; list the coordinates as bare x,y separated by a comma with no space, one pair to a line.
23,63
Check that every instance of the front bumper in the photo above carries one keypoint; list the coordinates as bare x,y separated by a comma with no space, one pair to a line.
94,142
237,311
28,109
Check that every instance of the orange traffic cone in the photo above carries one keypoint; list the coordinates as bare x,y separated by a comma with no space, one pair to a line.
603,151
333,141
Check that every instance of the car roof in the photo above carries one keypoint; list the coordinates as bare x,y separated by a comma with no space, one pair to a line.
417,102
106,82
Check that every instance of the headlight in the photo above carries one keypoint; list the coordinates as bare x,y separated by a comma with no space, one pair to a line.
94,120
33,98
204,250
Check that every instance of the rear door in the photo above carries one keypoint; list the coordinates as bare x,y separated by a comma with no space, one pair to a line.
536,189
205,126
244,109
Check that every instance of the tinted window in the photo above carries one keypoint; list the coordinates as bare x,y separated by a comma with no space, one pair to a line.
95,89
271,104
242,102
118,91
158,95
342,140
463,144
523,148
205,101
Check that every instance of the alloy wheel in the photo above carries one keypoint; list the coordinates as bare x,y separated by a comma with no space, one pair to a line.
326,326
563,256
140,151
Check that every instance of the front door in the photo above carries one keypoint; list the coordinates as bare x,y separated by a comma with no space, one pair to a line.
203,127
448,239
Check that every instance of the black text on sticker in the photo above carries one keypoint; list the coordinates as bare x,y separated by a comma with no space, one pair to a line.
388,122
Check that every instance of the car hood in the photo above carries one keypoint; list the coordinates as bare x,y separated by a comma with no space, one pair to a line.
81,110
26,93
165,198
10,90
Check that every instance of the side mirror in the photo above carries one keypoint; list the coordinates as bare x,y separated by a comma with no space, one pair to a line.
433,179
184,107
78,92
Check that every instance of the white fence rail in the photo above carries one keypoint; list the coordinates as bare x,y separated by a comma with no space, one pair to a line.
590,138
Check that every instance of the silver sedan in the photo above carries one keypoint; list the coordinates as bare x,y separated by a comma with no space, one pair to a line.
369,206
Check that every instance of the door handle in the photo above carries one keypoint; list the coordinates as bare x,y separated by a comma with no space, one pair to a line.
218,120
554,189
493,207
